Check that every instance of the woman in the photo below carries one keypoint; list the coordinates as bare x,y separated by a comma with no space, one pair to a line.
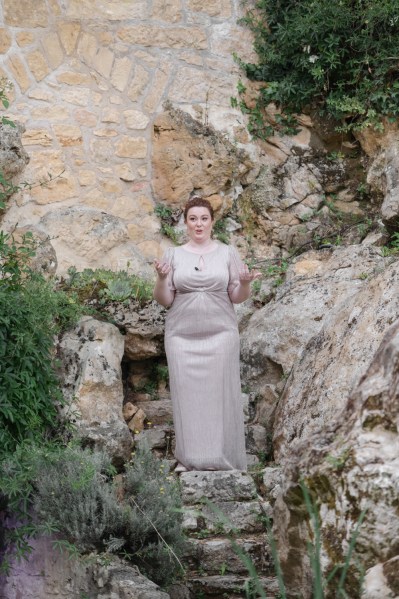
201,280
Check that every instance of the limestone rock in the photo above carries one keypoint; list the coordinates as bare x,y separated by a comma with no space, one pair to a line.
45,260
49,573
276,335
159,411
144,327
338,355
188,156
231,485
351,465
383,177
13,157
89,238
91,356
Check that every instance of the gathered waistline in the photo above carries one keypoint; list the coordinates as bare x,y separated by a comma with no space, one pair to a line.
200,290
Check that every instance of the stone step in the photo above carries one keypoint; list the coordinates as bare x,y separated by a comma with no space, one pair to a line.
158,411
230,586
219,555
229,485
224,517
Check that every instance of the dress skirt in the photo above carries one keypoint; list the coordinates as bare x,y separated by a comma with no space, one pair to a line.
203,350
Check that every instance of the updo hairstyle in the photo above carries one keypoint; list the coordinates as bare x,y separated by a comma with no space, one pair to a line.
197,201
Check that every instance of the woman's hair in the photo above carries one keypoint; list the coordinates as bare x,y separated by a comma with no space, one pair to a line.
197,201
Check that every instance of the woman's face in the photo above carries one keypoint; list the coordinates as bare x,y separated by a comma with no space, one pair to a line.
199,224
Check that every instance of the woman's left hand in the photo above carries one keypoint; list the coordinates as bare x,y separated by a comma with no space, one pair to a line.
246,275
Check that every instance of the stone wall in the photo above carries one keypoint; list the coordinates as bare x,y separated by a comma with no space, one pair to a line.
89,78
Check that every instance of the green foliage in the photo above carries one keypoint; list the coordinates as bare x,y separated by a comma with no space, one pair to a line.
220,231
338,57
171,232
72,492
104,286
392,249
169,217
31,313
336,579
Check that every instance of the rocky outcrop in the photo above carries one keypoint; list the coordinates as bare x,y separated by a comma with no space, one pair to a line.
273,341
50,573
304,198
93,239
91,356
143,326
191,157
334,359
352,469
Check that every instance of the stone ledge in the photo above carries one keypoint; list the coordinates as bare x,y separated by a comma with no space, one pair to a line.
230,485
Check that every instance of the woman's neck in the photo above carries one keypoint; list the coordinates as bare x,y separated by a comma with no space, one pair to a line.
202,247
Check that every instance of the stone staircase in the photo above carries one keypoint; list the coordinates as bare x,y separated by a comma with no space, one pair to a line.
224,517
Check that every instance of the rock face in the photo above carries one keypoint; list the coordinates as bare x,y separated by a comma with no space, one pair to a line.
336,357
297,199
92,239
49,573
91,355
276,335
189,157
350,469
13,156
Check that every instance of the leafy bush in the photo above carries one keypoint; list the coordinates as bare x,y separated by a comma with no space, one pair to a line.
72,492
31,313
337,56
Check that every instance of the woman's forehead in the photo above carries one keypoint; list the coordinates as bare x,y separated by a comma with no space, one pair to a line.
198,211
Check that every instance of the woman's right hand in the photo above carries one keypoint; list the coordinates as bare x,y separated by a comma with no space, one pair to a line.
162,268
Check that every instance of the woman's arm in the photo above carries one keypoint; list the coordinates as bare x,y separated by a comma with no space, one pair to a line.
163,294
240,278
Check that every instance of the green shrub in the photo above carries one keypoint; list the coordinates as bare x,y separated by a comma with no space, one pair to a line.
335,56
72,492
31,313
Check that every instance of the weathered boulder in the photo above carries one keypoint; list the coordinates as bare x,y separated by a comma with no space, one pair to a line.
44,260
317,282
383,178
289,203
351,467
91,356
50,573
188,156
13,157
89,238
143,326
335,358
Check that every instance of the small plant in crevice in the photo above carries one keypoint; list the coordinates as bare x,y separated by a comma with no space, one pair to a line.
220,231
169,217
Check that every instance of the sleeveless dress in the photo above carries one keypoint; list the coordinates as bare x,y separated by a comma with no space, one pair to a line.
203,349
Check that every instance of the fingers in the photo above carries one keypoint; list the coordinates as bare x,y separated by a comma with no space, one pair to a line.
249,275
162,268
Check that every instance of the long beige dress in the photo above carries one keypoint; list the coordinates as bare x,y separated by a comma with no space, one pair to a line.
202,349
